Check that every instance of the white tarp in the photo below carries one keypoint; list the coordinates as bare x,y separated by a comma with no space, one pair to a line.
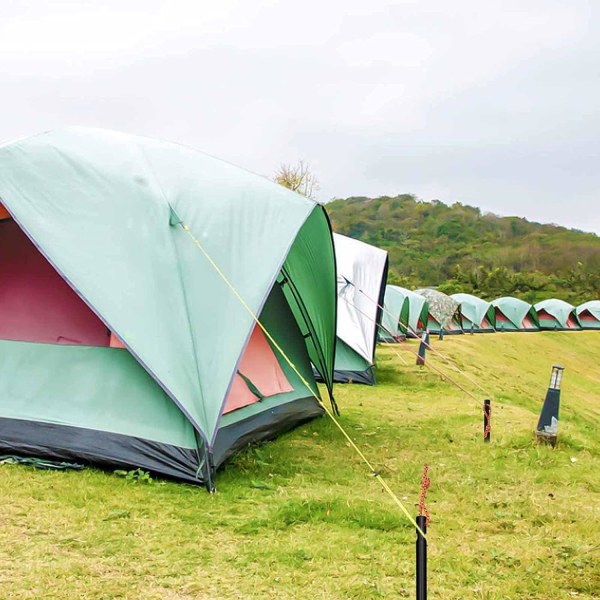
360,273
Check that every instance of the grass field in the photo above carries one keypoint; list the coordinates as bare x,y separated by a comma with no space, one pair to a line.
302,518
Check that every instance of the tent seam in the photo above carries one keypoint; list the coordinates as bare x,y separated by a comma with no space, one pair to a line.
258,312
181,282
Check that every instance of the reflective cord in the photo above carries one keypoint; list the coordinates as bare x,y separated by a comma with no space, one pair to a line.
427,364
440,354
414,334
425,483
375,473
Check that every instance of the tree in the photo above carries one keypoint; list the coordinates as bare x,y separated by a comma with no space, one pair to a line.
298,178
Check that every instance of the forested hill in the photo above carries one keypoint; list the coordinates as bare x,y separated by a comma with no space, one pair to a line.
457,248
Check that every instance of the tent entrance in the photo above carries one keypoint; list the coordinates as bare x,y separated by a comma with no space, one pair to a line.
484,326
432,324
547,321
572,322
503,323
36,303
259,375
273,397
528,323
588,320
486,323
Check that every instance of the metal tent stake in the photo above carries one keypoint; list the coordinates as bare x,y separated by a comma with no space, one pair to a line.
421,559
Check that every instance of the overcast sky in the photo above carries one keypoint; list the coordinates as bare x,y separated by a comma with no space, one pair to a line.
494,104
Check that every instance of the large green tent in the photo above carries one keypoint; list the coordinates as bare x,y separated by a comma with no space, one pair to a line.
588,314
405,314
477,315
443,313
121,343
557,315
513,314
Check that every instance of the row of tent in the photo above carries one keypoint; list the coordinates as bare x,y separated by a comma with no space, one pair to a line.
409,313
161,309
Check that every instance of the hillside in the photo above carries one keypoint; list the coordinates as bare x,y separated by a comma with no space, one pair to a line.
459,248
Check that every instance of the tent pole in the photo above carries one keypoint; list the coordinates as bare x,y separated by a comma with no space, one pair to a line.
210,469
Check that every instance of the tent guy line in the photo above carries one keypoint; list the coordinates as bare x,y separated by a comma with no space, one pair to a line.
429,365
329,413
429,347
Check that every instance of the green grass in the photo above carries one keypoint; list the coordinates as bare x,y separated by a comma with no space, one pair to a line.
301,517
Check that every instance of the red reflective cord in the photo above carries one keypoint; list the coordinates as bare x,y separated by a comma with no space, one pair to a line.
425,483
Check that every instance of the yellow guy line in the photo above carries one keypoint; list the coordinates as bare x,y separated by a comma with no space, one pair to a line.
435,351
379,478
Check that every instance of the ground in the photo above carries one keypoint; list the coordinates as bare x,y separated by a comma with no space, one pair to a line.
301,517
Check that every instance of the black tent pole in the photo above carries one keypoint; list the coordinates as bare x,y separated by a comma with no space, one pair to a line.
421,559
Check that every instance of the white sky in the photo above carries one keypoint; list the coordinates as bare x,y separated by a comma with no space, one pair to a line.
494,104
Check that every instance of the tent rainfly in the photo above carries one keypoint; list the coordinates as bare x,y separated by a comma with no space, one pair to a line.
557,315
405,314
588,314
513,314
443,313
361,278
121,345
477,315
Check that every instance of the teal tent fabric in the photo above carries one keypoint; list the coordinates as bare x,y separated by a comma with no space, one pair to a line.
477,314
443,311
513,314
588,314
411,308
310,262
556,314
104,209
396,310
85,386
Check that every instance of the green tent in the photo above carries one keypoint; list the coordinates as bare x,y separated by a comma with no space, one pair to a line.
120,342
443,313
476,314
588,314
513,314
405,314
557,315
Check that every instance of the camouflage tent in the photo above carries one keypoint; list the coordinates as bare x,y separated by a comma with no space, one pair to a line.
444,312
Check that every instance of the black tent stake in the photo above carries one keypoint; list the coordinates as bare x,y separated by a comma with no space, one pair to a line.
421,559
